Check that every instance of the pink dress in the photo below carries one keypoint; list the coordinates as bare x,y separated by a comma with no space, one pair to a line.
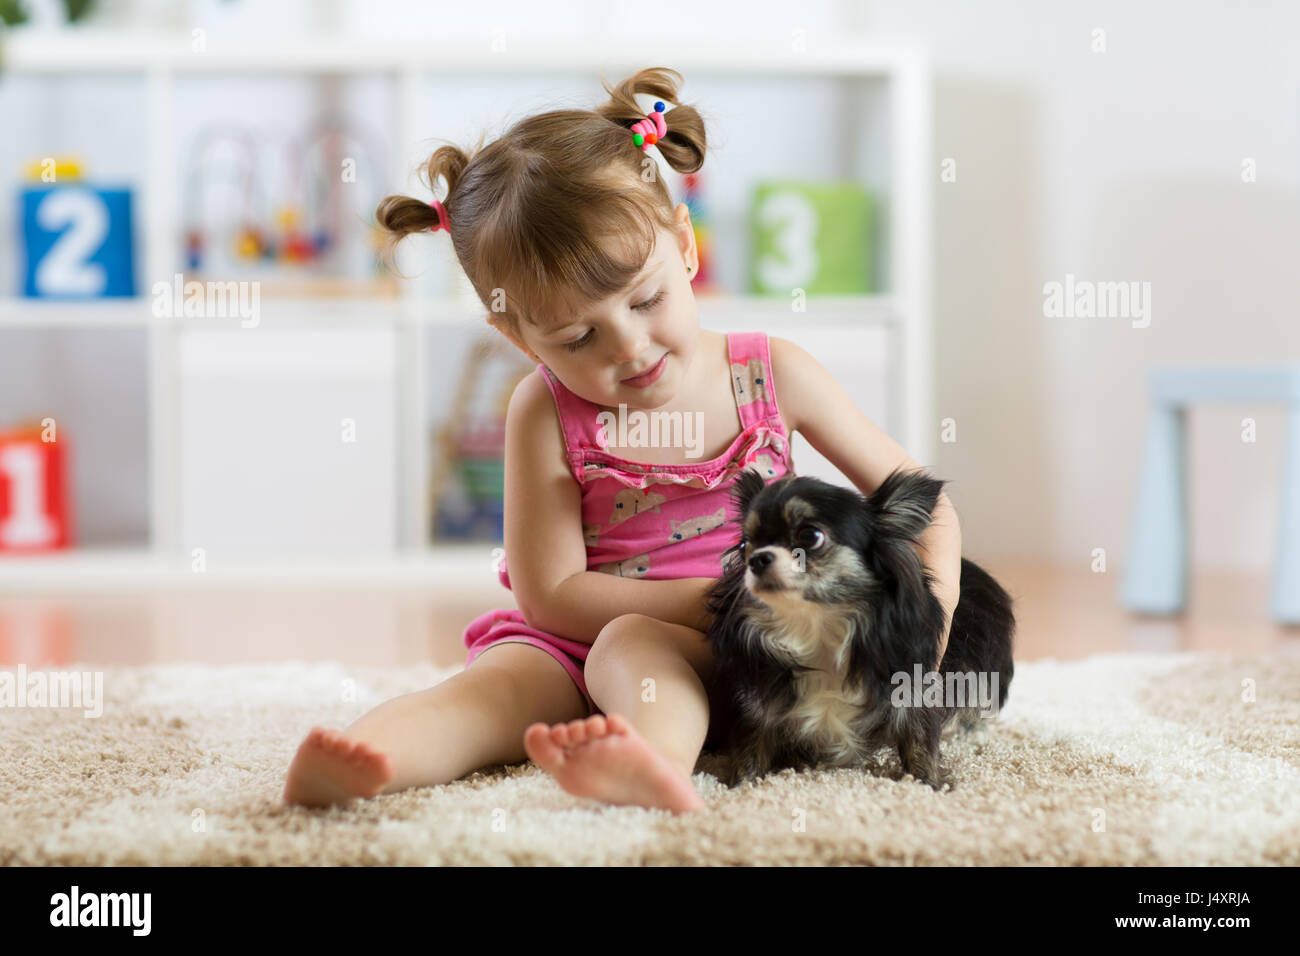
653,521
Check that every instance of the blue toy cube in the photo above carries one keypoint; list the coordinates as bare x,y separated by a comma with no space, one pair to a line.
79,242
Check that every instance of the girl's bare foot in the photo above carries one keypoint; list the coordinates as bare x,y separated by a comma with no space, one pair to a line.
330,768
608,760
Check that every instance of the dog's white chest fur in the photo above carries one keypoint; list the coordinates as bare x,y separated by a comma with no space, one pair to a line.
825,708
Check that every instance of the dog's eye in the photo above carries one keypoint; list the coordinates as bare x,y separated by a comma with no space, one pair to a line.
811,538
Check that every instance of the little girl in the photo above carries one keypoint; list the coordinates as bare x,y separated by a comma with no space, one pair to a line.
602,675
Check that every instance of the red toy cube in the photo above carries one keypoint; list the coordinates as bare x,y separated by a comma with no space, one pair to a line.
35,513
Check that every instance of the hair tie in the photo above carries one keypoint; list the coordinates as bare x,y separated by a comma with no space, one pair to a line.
443,222
651,129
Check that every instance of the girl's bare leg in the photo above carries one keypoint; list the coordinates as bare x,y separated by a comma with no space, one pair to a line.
473,719
649,677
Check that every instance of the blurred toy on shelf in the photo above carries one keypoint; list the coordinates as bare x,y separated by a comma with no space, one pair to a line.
214,144
35,505
314,234
703,281
467,489
78,238
814,236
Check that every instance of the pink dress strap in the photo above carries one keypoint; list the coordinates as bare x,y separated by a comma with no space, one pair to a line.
751,377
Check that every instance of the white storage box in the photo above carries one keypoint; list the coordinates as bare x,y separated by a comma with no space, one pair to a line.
288,444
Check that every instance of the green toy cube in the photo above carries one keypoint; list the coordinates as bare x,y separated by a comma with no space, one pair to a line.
482,478
811,236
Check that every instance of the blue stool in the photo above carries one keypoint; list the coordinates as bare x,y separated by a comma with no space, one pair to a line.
1155,581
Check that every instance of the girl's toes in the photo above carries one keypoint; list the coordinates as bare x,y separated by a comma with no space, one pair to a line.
577,733
539,744
617,724
596,726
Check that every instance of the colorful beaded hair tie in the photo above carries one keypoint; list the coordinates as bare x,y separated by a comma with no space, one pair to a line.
443,222
651,129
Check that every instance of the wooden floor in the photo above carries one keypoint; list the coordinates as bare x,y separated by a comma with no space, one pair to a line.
1062,613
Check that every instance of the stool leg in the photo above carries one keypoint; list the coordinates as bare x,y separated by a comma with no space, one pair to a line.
1286,580
1155,580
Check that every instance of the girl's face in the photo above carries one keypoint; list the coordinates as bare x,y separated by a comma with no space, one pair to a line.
653,321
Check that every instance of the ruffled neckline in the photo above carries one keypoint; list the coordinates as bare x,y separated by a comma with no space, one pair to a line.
767,432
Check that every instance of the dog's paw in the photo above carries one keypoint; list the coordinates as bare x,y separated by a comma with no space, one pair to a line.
743,772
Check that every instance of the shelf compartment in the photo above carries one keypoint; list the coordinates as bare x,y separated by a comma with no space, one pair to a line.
95,385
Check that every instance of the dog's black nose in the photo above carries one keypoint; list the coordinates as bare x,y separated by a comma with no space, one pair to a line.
760,561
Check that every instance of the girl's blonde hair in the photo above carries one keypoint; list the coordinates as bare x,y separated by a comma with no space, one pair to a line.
559,211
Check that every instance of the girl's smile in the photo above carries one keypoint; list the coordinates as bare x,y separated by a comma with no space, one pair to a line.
649,376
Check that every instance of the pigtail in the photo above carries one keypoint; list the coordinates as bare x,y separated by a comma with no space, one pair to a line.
684,144
399,216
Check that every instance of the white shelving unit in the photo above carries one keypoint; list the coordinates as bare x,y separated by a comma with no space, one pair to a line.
886,94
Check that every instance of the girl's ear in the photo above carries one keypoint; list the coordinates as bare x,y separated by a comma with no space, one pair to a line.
686,237
505,330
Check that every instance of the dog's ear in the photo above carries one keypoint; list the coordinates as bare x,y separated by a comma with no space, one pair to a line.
903,505
748,484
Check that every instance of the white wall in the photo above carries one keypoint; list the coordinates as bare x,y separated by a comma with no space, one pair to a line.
1123,165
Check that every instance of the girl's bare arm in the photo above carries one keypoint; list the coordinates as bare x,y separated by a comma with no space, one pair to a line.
817,406
545,551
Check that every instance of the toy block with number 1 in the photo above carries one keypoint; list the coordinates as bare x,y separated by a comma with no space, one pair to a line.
35,513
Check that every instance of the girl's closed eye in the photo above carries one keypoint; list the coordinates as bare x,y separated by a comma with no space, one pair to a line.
650,303
579,343
645,306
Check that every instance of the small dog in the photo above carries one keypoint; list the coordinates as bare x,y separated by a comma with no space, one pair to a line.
824,620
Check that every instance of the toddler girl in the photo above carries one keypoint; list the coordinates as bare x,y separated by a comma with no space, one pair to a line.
602,675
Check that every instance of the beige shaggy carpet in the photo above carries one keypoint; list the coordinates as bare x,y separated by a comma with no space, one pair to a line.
1117,759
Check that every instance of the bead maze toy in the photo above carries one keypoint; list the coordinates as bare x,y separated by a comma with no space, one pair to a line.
293,245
